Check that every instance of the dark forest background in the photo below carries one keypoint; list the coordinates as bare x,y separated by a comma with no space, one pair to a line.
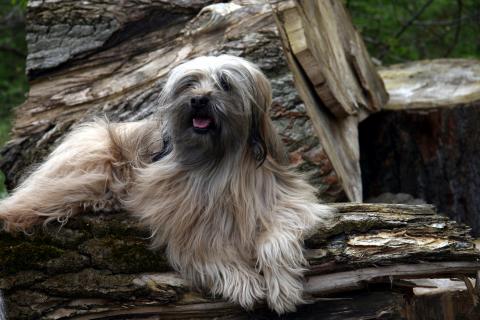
395,31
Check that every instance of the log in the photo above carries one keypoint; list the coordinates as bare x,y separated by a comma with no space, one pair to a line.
425,142
334,76
332,54
99,266
90,59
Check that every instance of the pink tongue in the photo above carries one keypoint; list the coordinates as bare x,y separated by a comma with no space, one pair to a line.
201,123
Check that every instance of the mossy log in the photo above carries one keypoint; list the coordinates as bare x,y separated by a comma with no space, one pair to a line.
99,266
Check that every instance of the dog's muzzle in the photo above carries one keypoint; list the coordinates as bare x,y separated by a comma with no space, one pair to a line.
202,121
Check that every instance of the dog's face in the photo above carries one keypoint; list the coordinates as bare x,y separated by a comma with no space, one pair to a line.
216,106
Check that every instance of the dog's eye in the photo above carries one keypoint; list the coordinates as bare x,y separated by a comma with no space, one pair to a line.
188,85
185,84
184,87
224,83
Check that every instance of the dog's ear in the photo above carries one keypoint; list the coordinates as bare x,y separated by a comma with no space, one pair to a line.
264,139
265,142
257,142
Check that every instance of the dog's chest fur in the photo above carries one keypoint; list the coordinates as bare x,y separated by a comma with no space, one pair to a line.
208,210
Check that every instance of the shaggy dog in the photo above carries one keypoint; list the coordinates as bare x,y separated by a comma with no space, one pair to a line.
208,176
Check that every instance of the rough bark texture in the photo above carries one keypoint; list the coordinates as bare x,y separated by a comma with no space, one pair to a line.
427,141
99,266
100,57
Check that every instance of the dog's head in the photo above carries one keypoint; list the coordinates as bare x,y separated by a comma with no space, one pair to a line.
217,106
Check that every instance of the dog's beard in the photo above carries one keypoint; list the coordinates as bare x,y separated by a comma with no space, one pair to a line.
208,135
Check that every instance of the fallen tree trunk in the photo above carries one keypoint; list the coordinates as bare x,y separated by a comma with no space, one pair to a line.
98,266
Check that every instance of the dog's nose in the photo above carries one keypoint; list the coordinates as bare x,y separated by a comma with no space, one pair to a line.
199,102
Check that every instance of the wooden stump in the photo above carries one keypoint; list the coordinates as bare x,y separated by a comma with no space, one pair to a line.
427,140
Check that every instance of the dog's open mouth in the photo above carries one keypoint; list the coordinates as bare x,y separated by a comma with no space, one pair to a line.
202,124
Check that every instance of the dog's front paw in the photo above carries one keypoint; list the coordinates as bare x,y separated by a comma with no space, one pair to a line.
326,215
284,291
243,287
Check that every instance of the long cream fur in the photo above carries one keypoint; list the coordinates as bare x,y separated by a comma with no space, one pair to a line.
229,221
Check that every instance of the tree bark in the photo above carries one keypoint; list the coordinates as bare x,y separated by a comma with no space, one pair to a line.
98,266
426,141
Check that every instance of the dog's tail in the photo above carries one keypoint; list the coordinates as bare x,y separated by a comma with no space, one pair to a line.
79,173
91,168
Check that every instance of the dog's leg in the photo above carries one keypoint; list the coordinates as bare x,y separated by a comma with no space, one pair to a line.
280,258
240,284
234,280
280,253
76,174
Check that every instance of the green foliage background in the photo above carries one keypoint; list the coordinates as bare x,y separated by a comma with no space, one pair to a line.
13,82
394,31
403,30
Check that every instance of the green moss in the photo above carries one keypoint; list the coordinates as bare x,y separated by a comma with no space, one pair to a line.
122,227
138,258
25,256
125,255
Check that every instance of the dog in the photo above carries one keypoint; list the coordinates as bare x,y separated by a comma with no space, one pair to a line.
208,176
